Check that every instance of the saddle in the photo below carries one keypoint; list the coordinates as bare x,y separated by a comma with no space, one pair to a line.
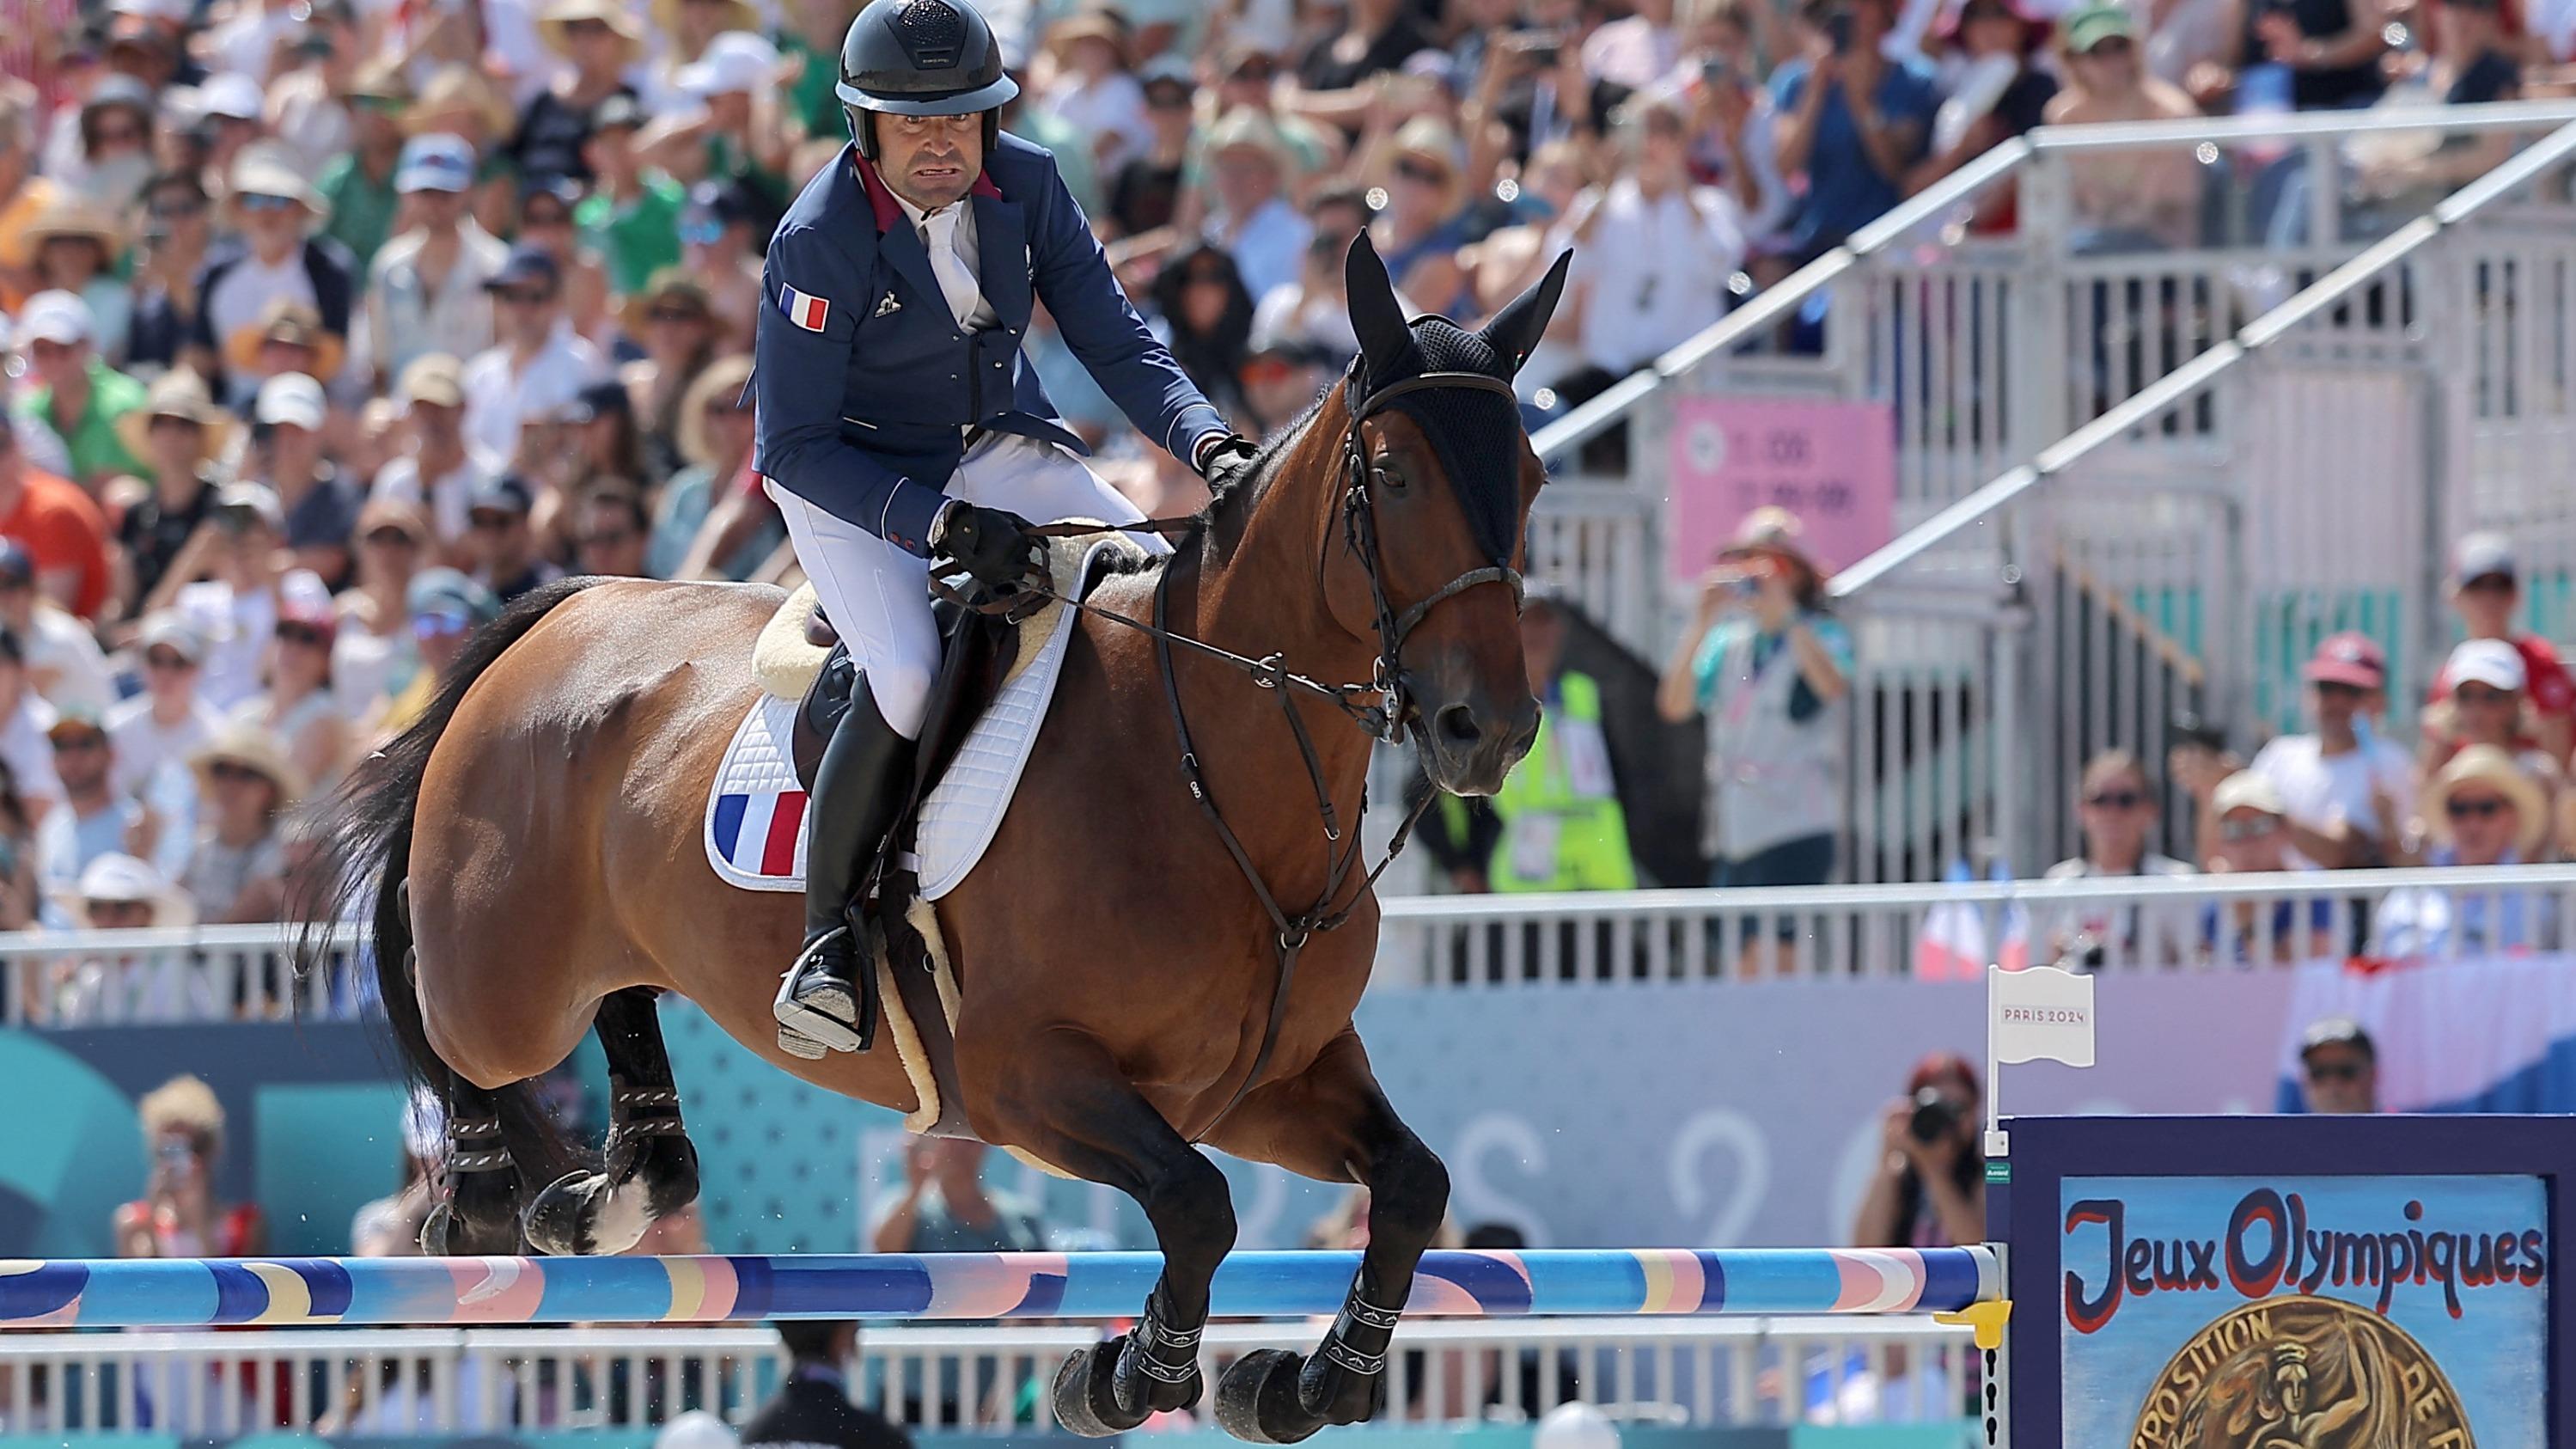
799,657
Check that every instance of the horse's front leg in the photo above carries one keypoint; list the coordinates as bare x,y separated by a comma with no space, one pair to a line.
1333,1123
1062,1097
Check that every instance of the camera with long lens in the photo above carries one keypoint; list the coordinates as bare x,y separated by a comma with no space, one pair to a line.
1936,1115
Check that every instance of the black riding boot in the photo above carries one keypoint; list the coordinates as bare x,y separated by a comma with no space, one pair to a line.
828,1001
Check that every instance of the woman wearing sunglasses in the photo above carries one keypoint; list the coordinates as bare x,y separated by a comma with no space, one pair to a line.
2117,807
298,709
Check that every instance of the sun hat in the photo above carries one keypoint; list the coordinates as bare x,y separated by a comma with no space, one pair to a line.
2491,662
2347,658
69,215
293,400
436,161
2246,790
267,171
737,62
434,378
179,393
56,316
553,21
668,284
116,876
246,744
2492,767
740,15
459,88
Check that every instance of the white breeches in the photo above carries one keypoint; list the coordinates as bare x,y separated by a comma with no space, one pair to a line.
878,595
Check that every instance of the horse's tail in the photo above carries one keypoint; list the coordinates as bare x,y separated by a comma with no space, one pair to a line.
363,842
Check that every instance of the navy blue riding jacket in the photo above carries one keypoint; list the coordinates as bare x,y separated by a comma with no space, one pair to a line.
866,385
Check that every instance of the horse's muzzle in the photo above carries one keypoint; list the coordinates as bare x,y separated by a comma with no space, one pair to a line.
1470,743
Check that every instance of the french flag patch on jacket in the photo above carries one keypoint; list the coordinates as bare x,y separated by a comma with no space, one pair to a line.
806,311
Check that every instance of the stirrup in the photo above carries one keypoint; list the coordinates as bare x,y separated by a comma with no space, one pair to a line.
817,1010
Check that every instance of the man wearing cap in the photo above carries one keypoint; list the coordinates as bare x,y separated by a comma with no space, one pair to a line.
2488,687
434,468
725,138
538,363
503,547
154,733
900,422
2248,831
58,525
63,658
2347,787
76,394
321,506
2486,592
95,819
277,211
2338,1067
446,607
425,292
632,215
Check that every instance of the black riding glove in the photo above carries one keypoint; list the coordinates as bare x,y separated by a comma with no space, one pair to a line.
988,543
1227,463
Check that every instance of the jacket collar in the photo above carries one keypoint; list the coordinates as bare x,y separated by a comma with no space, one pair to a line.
881,198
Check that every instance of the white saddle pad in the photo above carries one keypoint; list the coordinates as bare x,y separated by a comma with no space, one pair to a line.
755,832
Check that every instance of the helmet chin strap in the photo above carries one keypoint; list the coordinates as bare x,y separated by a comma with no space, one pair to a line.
863,130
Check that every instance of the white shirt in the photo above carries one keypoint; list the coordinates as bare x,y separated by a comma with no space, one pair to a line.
1269,248
241,297
1113,106
64,662
407,320
968,239
2320,790
237,627
448,498
498,393
144,745
1653,271
29,755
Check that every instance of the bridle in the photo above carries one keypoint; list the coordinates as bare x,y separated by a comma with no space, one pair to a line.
1383,720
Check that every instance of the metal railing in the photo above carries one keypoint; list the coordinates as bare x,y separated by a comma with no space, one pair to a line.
2114,925
977,1379
239,973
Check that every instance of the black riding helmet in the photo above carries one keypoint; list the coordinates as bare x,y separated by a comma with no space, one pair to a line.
921,58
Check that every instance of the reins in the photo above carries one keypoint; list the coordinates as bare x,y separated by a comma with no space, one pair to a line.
1384,721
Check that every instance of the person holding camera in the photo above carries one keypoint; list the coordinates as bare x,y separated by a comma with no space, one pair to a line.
1930,1187
1852,121
178,1216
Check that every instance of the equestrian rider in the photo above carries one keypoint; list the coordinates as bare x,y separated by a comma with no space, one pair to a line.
902,427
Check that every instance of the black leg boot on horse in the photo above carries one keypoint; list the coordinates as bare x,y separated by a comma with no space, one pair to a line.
648,1169
828,1002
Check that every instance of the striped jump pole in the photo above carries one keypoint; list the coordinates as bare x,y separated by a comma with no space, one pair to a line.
285,1292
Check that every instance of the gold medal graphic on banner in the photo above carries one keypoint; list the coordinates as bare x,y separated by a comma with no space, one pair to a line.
2301,1373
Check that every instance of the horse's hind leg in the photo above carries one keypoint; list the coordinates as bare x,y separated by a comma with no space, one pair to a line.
649,1167
1333,1123
1063,1098
477,1210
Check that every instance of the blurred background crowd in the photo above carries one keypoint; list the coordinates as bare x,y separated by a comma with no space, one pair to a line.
332,325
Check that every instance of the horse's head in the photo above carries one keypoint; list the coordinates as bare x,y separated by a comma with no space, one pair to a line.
1434,524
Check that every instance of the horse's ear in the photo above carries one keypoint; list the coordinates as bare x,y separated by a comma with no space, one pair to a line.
1516,330
1376,316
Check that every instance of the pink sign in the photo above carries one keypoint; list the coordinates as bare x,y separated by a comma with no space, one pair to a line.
1831,463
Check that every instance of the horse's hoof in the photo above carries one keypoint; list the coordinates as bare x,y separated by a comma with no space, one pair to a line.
1086,1394
1256,1399
435,1231
580,1214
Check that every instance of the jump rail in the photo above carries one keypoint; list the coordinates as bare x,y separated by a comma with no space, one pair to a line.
192,1292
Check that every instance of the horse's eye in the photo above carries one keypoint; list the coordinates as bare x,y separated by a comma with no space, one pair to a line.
1390,476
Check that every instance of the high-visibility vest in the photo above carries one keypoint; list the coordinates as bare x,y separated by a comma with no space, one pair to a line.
1563,829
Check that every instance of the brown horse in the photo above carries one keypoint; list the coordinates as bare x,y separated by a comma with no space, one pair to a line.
533,845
